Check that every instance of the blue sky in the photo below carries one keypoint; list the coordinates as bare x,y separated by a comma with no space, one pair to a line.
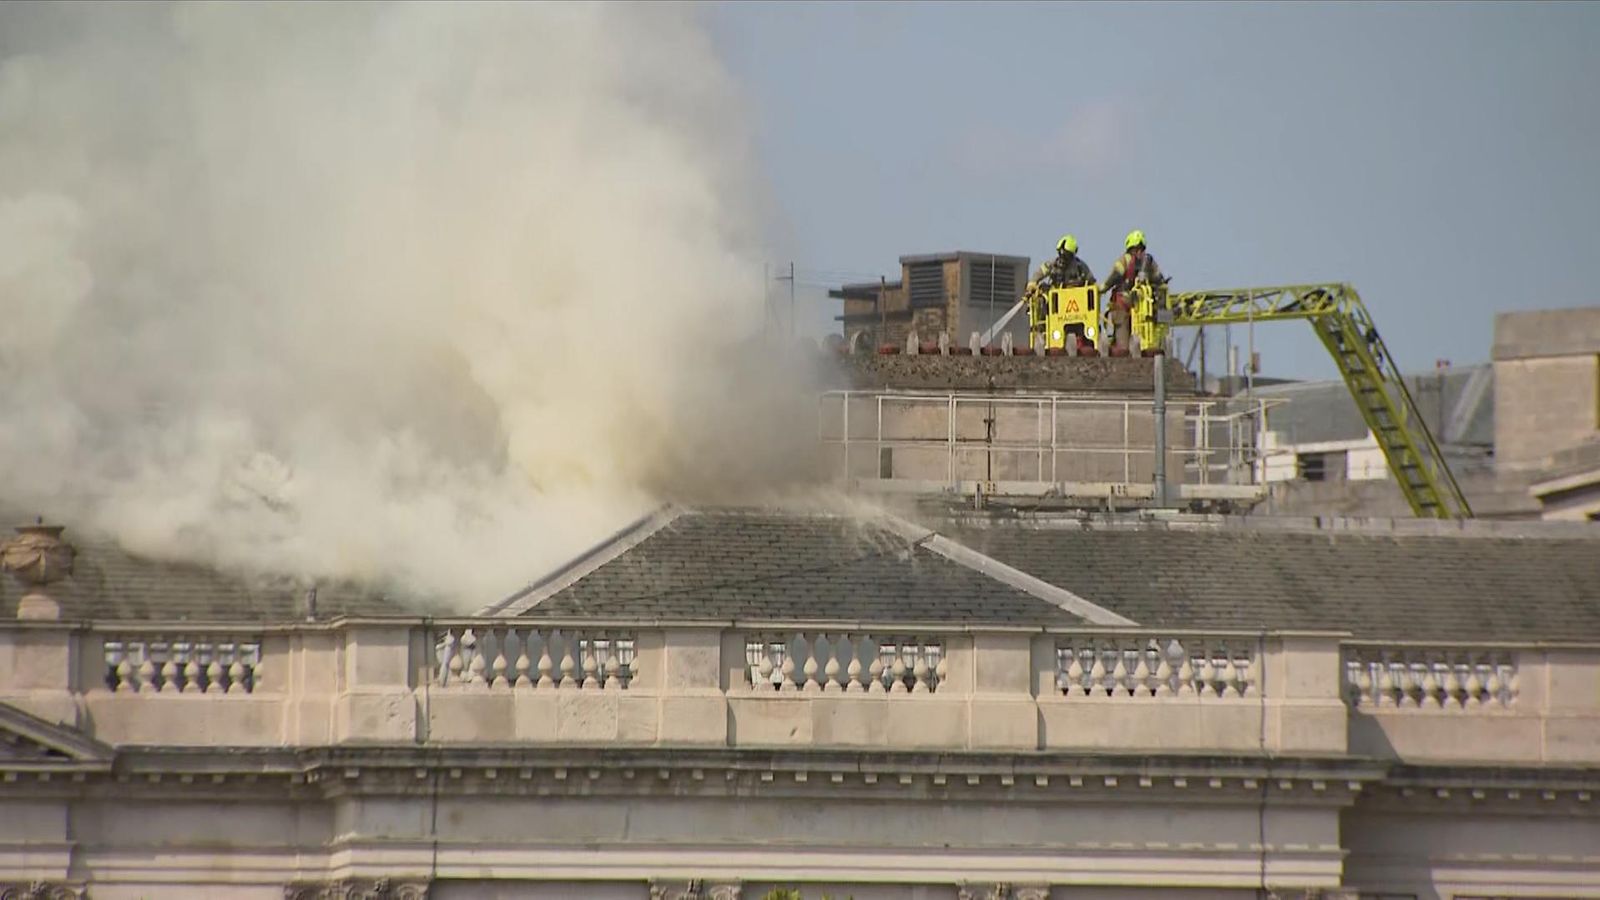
1440,157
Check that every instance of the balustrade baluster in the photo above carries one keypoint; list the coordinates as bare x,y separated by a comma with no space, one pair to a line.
786,670
499,665
808,647
830,672
1164,673
1075,686
1450,687
853,672
1387,689
1119,684
569,666
168,668
523,664
1228,676
214,675
875,668
1473,689
613,671
1208,673
1097,673
591,666
1406,683
920,671
449,658
1360,678
1430,685
147,671
941,671
127,677
236,673
474,655
763,681
547,666
897,671
191,671
1493,686
1144,680
1185,671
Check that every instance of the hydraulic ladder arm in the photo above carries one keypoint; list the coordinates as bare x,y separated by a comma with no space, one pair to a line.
1345,327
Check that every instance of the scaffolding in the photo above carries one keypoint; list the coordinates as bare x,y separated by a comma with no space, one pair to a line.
1045,445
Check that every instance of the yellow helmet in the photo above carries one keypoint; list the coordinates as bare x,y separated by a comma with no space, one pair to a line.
1067,244
1135,239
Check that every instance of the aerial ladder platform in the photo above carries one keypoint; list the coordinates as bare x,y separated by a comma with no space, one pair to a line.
1344,326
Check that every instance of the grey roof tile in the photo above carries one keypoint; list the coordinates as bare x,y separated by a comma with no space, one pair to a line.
766,564
109,584
1421,587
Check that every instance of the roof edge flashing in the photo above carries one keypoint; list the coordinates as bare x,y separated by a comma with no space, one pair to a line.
963,555
575,569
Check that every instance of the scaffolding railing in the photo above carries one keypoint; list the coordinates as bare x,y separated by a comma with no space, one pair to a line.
1044,440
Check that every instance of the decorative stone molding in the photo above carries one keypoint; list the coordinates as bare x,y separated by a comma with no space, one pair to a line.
1001,890
43,890
696,889
358,889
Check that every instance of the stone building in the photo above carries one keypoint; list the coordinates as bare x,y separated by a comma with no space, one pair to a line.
718,703
953,293
1520,433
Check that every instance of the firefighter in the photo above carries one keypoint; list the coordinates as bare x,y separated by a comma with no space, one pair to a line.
1133,267
1067,270
1042,277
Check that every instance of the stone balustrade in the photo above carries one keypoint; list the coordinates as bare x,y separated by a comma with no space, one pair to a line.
503,657
849,663
805,685
1453,678
181,664
1142,665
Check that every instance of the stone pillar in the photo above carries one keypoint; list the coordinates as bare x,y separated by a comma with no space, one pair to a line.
37,557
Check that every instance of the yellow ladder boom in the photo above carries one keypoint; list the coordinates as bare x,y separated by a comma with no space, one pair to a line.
1346,329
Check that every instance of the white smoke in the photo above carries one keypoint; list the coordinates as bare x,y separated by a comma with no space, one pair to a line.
427,295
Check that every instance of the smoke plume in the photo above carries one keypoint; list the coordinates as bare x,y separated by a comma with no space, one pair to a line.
423,295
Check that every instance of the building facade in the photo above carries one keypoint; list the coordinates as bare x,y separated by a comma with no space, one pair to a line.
723,703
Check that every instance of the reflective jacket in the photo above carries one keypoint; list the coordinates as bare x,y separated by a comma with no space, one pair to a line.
1127,272
1068,270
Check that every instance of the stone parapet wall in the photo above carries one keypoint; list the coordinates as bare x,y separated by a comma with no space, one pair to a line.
812,686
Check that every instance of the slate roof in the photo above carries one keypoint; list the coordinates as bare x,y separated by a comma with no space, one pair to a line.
1456,411
765,564
1486,585
109,584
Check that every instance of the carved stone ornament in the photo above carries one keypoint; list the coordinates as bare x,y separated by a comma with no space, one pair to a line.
696,889
358,889
1003,891
37,557
43,890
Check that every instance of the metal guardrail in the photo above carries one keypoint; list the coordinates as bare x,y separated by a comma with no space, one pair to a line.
1221,442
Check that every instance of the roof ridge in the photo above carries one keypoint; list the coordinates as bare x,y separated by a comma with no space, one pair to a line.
570,572
1012,577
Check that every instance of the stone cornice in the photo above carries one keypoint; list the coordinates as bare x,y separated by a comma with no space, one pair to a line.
345,770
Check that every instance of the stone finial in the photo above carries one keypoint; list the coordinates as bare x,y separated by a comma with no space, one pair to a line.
37,557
